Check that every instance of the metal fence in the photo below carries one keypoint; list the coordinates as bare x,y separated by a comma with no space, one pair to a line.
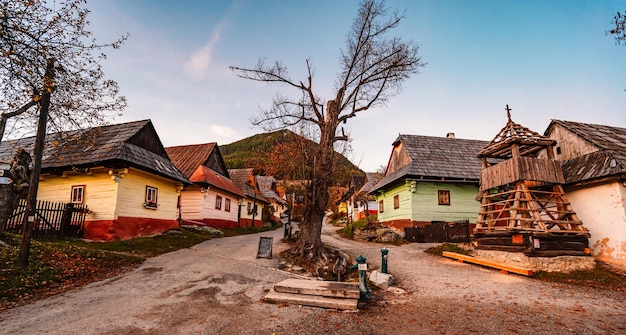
52,219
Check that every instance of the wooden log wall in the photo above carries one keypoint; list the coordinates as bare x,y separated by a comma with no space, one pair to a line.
521,168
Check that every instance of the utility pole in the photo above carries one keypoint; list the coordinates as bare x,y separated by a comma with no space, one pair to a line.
31,199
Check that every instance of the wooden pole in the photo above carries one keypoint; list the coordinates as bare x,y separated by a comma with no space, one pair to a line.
31,199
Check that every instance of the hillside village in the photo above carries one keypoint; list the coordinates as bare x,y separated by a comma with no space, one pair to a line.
120,183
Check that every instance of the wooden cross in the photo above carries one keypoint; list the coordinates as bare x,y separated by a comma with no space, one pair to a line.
508,111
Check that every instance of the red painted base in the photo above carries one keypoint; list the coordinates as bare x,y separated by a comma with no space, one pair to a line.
125,228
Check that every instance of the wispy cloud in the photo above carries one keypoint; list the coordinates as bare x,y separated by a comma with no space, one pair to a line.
224,132
198,64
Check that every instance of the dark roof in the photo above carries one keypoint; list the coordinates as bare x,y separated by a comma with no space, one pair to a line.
529,143
437,158
187,158
609,160
132,144
204,174
265,186
240,179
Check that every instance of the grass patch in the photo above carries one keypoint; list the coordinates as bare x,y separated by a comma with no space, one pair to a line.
228,232
349,229
451,247
601,276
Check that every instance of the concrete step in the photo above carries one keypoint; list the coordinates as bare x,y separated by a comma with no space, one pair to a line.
319,288
311,300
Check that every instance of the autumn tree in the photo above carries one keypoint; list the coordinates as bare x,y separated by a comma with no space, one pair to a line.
36,31
51,77
372,68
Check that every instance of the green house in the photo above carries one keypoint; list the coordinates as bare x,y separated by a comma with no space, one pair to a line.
429,179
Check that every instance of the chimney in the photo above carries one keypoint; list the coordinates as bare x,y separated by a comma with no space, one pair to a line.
450,135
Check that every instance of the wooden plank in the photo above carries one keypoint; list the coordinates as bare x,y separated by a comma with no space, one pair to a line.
319,288
470,259
311,300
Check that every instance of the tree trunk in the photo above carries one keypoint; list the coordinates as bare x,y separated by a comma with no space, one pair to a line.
309,245
10,195
29,218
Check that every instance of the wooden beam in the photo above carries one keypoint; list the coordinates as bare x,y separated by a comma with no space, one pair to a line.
470,259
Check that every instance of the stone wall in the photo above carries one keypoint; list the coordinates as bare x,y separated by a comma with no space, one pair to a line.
547,264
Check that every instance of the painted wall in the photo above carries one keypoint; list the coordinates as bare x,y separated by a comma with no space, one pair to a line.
246,219
463,203
199,206
117,210
602,209
420,204
100,192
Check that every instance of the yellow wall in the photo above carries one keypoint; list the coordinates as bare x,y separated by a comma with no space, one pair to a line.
132,195
108,199
100,192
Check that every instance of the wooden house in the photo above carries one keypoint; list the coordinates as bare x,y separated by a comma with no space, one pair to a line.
524,207
213,199
277,205
250,208
121,172
356,199
347,205
593,160
429,179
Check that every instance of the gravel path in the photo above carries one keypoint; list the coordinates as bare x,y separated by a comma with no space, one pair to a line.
216,288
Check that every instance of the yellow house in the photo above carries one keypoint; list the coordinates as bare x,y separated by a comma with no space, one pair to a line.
121,172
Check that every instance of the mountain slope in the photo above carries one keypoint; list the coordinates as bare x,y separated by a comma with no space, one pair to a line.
283,154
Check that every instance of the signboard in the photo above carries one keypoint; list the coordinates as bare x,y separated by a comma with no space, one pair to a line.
265,247
5,180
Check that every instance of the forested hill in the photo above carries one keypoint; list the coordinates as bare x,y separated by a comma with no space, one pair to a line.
282,154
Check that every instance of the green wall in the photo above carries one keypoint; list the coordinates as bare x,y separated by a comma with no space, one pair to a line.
422,204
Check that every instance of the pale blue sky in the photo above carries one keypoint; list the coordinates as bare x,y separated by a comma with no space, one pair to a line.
546,59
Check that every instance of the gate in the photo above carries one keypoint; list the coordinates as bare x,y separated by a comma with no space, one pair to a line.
439,231
52,219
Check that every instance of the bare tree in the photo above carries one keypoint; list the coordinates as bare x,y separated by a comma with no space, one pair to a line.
373,67
35,31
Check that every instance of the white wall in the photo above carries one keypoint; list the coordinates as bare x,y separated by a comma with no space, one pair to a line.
602,209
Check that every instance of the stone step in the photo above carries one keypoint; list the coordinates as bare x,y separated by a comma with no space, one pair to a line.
311,300
319,288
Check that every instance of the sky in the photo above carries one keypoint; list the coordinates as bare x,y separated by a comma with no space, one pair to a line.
545,59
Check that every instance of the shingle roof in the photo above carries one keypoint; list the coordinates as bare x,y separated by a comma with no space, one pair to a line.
437,158
187,158
529,143
133,143
609,160
265,186
240,178
204,174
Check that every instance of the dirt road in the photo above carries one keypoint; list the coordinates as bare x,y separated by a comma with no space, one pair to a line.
216,288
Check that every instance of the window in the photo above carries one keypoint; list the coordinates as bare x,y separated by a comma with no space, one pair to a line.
218,202
396,201
249,208
151,197
227,205
78,194
381,206
444,197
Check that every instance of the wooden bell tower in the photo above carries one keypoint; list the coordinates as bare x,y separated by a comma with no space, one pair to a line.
523,205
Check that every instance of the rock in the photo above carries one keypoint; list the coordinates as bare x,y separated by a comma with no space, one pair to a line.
382,280
387,235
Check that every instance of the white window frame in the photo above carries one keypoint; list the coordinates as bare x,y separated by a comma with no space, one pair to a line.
152,197
78,194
